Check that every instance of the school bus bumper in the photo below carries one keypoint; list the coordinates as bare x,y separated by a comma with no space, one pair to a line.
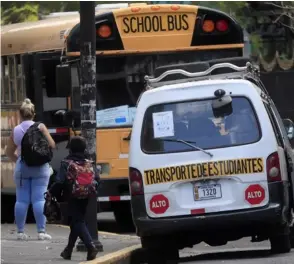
245,221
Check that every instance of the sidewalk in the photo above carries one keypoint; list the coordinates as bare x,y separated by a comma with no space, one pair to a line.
47,252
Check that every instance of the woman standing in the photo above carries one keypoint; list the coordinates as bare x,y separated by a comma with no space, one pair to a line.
31,182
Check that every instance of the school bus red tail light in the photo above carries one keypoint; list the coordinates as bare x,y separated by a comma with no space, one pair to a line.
273,168
104,31
208,26
136,182
222,25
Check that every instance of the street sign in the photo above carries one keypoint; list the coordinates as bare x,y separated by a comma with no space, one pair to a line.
159,204
254,194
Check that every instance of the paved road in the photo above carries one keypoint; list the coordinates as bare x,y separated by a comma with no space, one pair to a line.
241,251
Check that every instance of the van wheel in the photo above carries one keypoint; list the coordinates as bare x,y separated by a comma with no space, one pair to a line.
159,251
281,241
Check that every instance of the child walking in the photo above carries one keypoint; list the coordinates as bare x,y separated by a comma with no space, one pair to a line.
78,180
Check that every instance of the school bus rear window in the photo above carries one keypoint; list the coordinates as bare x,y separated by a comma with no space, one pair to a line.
195,122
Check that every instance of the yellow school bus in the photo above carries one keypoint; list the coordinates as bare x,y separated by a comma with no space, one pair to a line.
131,41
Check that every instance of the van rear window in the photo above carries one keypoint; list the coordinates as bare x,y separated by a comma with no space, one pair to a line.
166,126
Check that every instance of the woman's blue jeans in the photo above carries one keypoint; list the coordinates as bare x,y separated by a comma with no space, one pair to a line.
31,184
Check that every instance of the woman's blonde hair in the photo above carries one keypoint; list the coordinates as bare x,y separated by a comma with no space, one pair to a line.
27,110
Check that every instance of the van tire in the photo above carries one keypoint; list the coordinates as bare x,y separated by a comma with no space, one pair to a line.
159,251
281,242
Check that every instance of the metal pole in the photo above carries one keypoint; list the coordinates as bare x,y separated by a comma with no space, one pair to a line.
88,103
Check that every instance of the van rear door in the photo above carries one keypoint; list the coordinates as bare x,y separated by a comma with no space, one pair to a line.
197,163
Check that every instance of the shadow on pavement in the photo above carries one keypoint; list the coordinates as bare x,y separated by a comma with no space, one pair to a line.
240,254
140,256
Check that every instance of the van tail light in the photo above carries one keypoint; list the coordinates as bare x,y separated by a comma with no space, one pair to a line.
136,182
273,168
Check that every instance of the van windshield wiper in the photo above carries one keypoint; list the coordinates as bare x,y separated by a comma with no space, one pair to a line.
188,143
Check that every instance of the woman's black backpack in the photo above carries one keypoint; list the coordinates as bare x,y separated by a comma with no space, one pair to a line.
35,149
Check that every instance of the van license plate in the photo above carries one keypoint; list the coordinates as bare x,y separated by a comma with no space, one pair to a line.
206,192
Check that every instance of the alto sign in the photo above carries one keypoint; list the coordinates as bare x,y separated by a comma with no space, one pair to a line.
254,194
159,204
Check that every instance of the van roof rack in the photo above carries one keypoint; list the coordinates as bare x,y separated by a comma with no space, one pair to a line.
224,70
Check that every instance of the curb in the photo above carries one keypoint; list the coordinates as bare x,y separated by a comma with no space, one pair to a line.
100,232
122,256
117,257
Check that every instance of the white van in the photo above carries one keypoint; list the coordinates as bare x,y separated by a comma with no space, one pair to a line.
210,161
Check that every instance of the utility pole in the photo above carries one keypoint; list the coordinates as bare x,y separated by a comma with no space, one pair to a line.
88,103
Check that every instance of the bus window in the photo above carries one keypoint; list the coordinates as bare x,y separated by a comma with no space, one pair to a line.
12,77
51,103
6,82
48,72
2,80
20,94
124,82
120,81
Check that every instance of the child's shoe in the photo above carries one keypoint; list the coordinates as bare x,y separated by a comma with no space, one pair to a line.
66,253
92,252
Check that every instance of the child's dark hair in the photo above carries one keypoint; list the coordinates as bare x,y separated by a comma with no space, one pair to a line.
77,145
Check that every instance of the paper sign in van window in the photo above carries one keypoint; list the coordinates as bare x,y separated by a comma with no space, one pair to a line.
203,170
163,124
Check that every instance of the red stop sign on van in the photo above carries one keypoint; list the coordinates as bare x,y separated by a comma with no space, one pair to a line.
254,194
159,204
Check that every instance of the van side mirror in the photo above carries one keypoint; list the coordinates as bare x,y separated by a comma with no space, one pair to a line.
63,80
289,127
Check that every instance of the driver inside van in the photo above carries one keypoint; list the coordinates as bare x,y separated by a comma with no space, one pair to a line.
242,125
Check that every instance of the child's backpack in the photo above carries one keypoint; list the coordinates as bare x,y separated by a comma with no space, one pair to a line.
81,176
35,149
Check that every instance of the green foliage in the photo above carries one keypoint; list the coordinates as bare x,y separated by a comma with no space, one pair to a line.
47,7
16,12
